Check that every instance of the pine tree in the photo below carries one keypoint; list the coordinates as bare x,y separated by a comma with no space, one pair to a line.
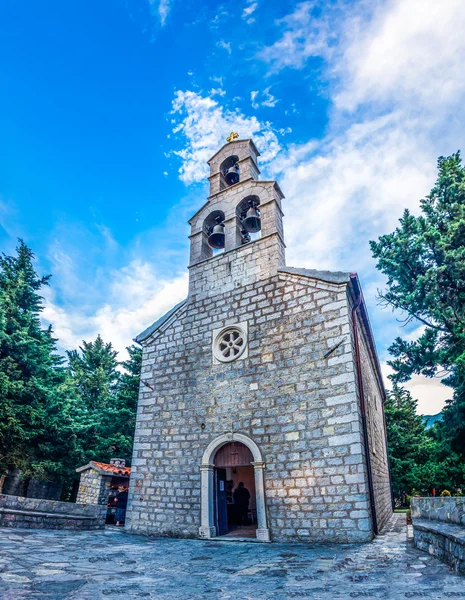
409,445
108,399
36,424
119,419
424,261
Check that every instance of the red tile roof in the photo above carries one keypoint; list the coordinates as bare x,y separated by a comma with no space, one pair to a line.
111,468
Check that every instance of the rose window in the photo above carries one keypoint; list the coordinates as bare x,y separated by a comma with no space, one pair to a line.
229,344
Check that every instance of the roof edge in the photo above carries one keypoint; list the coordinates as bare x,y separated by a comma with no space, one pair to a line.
157,324
355,282
338,277
250,140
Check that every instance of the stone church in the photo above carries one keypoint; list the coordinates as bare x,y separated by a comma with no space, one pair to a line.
264,379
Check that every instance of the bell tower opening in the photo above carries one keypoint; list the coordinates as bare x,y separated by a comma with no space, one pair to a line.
229,172
213,234
249,219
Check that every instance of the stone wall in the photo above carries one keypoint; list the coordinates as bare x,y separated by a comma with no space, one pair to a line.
16,511
94,488
249,264
44,489
15,485
298,406
444,509
439,529
374,401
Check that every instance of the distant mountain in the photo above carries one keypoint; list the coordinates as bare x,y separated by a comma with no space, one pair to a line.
430,420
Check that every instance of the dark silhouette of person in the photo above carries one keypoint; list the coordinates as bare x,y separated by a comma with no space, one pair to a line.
241,500
121,501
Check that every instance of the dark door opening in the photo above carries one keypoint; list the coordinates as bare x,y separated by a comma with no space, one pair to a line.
235,501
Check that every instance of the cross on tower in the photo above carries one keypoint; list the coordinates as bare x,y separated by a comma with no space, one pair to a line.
232,136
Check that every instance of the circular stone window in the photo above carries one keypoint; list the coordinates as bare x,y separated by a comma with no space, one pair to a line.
229,343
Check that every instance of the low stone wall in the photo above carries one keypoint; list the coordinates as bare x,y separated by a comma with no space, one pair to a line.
439,529
16,511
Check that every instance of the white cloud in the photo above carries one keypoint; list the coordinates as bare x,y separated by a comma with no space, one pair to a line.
412,51
217,92
351,187
204,126
308,31
225,45
266,98
248,10
430,393
135,297
161,8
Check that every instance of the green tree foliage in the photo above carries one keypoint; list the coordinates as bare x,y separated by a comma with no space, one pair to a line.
36,424
107,399
122,417
409,445
55,417
424,261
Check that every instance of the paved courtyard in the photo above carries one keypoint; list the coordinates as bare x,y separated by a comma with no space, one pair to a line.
111,564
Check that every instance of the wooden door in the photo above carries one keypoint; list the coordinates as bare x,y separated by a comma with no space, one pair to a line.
221,506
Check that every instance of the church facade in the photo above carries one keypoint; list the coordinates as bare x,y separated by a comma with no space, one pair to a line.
265,376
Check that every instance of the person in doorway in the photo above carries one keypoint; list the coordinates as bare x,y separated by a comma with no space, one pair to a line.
121,501
241,500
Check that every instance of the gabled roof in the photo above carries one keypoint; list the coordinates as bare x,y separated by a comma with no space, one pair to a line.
150,330
328,276
250,140
105,469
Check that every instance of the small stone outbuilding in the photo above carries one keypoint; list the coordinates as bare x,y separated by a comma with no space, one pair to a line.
99,480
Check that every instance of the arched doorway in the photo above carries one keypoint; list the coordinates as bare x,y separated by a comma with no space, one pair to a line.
229,460
236,506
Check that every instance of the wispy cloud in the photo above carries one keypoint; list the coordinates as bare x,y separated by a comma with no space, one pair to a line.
248,10
310,30
225,45
264,98
217,92
136,295
161,8
203,125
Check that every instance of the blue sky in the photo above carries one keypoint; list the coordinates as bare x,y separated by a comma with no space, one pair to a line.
109,111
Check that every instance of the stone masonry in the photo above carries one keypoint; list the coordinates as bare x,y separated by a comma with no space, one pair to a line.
97,479
439,529
93,488
296,395
33,513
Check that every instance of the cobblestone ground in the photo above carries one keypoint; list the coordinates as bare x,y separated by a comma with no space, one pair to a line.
62,565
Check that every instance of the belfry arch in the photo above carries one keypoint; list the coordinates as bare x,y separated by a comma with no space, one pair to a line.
207,469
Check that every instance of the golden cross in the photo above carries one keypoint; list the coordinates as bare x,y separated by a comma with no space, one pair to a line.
232,136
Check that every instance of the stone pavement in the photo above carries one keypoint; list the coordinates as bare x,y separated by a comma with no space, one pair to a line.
97,565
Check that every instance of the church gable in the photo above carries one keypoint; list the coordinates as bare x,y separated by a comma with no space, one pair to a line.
151,333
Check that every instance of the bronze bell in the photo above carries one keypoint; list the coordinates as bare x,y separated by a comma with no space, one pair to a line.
216,237
232,175
252,222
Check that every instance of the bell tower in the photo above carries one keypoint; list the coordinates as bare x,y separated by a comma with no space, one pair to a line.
237,236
